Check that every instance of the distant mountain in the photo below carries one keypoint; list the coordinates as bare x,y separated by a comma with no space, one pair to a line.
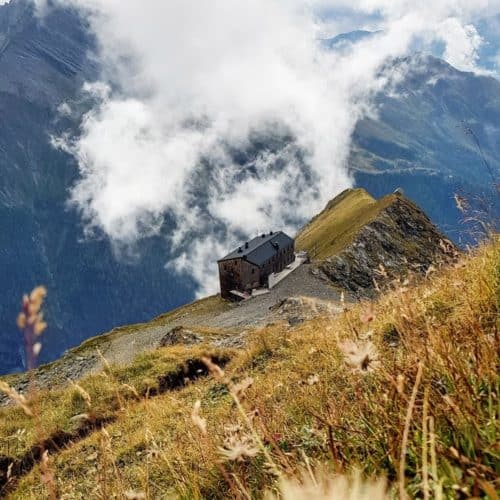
437,134
43,64
345,40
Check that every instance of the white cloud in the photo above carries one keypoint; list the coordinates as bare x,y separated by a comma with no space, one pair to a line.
195,80
462,44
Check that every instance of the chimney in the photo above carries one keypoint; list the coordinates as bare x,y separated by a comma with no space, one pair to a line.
246,244
240,250
271,233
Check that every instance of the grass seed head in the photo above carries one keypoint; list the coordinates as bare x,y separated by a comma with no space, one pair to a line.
239,389
30,321
19,399
197,420
215,370
83,393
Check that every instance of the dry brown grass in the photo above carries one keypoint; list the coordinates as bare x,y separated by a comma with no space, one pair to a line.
405,388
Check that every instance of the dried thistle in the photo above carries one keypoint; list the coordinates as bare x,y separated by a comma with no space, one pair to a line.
331,488
238,448
360,357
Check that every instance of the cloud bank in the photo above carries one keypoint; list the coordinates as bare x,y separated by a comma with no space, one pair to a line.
222,119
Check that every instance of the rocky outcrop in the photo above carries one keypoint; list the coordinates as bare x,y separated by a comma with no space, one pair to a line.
180,335
399,240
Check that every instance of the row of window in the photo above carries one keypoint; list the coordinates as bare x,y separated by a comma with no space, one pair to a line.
282,252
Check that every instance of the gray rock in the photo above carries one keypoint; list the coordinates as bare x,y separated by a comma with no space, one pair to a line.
234,341
401,239
179,335
294,321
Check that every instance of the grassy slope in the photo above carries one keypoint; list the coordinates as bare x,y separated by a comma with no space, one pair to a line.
198,308
342,418
335,227
193,310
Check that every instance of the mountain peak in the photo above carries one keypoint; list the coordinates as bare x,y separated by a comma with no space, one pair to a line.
358,241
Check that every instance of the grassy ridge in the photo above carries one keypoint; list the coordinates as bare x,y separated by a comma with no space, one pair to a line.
335,227
405,387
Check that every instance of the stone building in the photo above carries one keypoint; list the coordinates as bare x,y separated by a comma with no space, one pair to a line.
249,266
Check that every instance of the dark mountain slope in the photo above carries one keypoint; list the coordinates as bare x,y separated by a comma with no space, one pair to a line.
43,60
44,63
417,142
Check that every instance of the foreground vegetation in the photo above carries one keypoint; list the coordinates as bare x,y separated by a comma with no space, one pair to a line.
405,388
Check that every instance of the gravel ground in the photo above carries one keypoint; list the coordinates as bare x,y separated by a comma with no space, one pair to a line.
248,314
256,312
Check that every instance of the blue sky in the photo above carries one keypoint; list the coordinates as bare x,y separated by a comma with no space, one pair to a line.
486,21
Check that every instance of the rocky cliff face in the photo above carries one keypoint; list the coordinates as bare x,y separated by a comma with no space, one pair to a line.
400,239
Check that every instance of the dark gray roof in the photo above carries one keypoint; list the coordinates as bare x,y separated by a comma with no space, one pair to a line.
261,248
